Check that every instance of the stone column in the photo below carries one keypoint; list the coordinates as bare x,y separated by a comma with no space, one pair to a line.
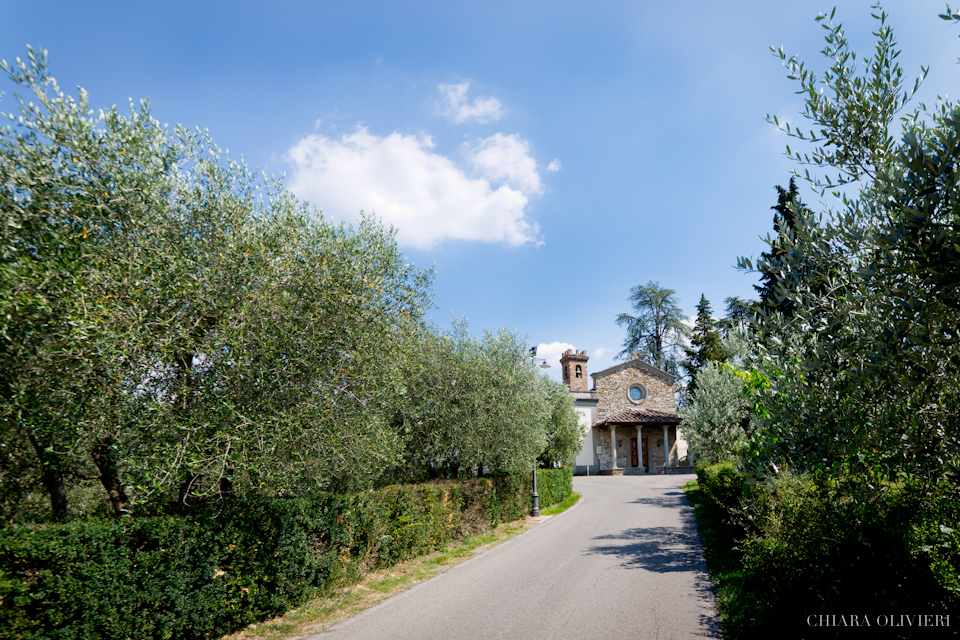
640,449
613,446
666,445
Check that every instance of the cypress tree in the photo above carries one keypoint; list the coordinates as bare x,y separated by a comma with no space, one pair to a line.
706,345
769,265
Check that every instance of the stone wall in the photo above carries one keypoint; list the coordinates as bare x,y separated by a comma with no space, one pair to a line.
606,456
569,362
657,454
612,392
680,470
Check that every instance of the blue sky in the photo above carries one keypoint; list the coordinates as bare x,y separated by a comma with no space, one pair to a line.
544,156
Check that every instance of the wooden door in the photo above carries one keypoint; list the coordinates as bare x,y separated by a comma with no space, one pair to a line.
646,453
634,459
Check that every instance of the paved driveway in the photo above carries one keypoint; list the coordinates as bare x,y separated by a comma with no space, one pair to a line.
625,562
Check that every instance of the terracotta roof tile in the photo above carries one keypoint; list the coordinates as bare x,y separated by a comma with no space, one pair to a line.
638,416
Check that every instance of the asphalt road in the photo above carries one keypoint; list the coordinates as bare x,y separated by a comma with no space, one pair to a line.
625,562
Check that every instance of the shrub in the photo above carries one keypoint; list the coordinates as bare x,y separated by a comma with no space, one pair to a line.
811,549
163,577
722,483
554,485
821,551
206,573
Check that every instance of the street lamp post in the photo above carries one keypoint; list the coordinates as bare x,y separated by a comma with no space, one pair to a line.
536,496
535,512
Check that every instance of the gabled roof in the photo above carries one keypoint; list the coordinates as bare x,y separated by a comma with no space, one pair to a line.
639,416
637,364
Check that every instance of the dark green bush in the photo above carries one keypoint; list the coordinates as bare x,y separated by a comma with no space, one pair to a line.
509,497
404,521
723,483
822,551
206,573
554,485
808,549
163,577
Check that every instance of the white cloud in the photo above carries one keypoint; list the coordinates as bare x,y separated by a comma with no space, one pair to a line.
554,165
551,352
601,351
454,105
421,193
506,159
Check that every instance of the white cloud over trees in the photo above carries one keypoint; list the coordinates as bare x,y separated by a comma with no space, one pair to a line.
428,197
424,194
507,159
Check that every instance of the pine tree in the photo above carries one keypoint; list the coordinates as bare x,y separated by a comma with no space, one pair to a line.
739,312
706,345
785,220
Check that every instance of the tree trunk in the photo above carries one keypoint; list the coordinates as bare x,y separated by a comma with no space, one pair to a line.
188,494
106,461
52,478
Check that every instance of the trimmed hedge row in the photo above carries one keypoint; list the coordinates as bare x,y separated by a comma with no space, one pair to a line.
554,485
809,550
208,574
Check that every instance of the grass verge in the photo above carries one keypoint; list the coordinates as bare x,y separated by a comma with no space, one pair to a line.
339,602
723,557
560,507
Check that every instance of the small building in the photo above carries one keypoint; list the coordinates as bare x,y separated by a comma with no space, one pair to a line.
630,416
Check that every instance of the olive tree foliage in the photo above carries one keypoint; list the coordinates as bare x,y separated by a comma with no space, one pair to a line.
714,422
170,324
470,405
56,184
864,373
284,391
564,431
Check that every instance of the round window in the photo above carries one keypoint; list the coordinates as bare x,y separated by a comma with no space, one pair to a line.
637,393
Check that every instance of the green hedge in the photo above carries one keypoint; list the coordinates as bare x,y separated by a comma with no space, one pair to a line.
214,571
554,485
808,550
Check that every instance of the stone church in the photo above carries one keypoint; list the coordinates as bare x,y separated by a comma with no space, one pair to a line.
630,416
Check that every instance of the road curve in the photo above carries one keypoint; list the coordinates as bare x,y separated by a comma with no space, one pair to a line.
625,562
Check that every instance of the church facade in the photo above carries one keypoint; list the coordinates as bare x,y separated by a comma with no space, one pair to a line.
630,417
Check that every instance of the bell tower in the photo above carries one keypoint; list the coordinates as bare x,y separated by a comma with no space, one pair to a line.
574,366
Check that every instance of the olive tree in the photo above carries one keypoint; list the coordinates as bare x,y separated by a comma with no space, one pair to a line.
864,380
564,431
474,404
714,421
171,324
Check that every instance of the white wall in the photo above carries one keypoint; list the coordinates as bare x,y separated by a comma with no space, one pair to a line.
587,454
